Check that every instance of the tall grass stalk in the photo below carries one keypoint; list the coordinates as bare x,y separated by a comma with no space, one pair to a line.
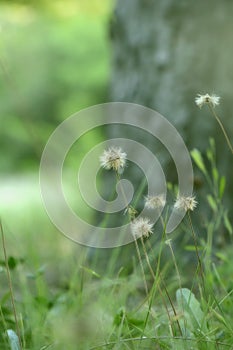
200,268
157,282
160,289
141,265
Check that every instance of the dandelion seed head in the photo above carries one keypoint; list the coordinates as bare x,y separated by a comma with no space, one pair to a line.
113,158
141,227
186,203
212,100
155,202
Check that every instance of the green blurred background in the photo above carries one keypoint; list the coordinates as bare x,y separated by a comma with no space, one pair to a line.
58,57
54,61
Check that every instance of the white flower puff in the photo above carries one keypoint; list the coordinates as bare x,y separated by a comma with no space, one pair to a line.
212,100
113,158
155,202
186,203
141,227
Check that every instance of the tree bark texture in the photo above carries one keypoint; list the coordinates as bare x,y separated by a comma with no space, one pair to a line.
165,52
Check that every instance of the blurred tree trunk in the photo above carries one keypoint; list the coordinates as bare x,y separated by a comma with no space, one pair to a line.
165,52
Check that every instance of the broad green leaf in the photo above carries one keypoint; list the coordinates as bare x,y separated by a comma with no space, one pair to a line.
194,318
197,157
13,339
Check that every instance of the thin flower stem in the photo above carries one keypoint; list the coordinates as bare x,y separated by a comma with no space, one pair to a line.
149,265
200,266
174,261
158,282
173,308
159,288
168,241
222,127
10,286
171,303
147,259
179,278
135,241
122,191
141,265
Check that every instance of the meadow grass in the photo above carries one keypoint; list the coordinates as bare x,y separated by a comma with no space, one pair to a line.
64,299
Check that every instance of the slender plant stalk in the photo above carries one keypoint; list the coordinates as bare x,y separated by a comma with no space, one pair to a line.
200,265
159,275
147,259
178,276
222,127
122,190
159,288
10,286
168,242
171,303
118,178
141,265
148,262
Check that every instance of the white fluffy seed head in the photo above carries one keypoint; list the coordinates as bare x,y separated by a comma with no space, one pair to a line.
212,100
186,203
113,158
155,202
141,227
